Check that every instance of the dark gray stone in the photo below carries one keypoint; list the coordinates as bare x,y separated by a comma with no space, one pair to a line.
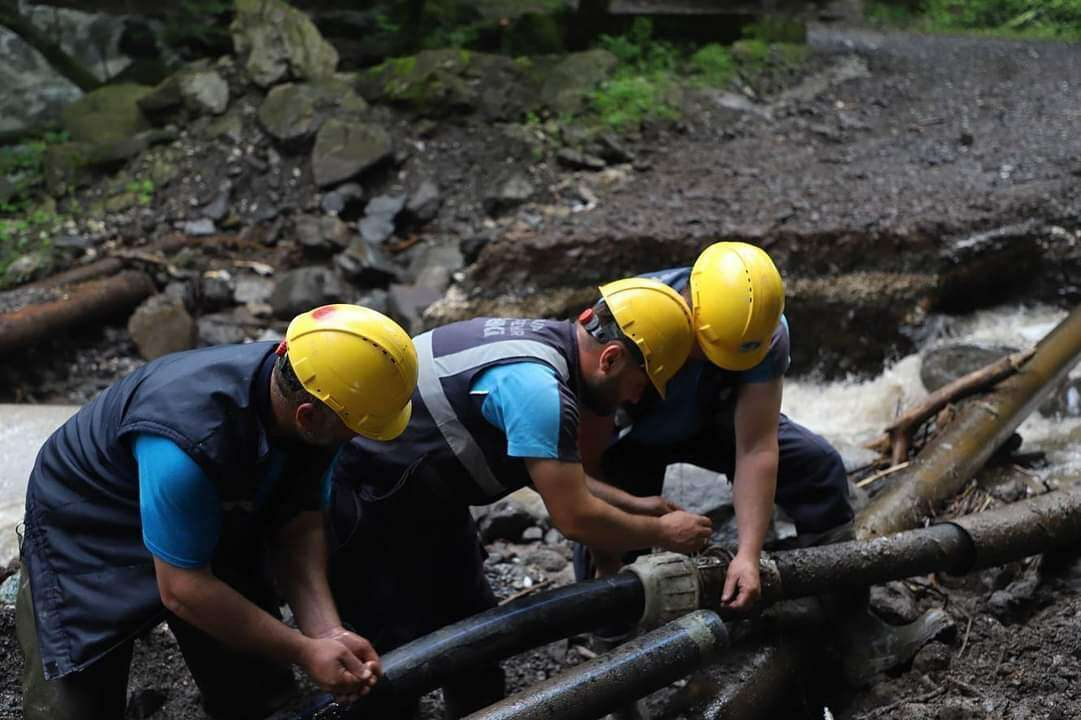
219,206
376,230
576,160
508,193
505,520
345,149
375,299
612,150
434,265
220,329
379,215
338,199
472,245
934,657
366,263
324,232
424,203
216,290
162,325
545,558
253,289
943,365
302,289
200,227
407,303
894,603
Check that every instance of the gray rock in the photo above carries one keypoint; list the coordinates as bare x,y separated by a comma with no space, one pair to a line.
182,292
435,264
424,203
567,85
220,329
162,325
544,558
553,537
576,160
219,206
379,216
274,42
508,193
24,268
385,206
612,150
346,149
943,365
229,126
335,201
253,289
204,92
934,657
695,489
216,289
376,230
324,232
202,226
894,603
407,303
472,245
505,520
365,263
305,288
957,708
294,112
107,114
532,534
375,299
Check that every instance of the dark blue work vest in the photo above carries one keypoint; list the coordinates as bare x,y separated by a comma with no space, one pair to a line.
448,436
91,578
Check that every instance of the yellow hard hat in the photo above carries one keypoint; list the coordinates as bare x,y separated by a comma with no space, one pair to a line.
657,320
737,298
360,363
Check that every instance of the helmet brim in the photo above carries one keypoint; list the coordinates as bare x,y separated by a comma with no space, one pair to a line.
383,428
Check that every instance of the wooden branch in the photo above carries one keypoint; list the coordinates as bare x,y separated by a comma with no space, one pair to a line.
898,436
65,64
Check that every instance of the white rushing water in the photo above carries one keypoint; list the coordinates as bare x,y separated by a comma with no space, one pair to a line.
849,412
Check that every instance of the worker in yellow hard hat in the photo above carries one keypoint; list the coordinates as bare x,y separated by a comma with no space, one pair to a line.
496,409
723,412
164,497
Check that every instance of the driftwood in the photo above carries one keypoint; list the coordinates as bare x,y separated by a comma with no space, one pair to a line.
79,305
897,440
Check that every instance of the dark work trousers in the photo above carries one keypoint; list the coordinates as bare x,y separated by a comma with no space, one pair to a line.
233,684
411,563
812,486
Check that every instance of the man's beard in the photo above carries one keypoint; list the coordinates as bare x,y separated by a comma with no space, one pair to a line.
599,397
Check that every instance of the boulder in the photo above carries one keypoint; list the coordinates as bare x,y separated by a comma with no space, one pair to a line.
252,289
434,264
293,112
379,216
945,364
424,202
109,113
204,92
341,198
508,192
544,558
276,42
431,82
505,520
162,325
302,289
407,303
322,232
346,149
366,264
221,329
567,84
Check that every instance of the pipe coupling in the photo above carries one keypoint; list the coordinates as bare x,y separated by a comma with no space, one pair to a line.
672,587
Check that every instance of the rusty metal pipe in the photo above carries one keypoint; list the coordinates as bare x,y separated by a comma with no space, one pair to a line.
77,305
982,424
631,671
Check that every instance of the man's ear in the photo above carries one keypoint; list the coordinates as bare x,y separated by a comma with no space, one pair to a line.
610,356
305,416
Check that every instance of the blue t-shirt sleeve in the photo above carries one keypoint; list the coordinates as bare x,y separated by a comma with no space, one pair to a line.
537,413
179,505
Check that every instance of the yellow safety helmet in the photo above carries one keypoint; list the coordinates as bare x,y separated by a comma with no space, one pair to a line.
359,362
657,320
737,298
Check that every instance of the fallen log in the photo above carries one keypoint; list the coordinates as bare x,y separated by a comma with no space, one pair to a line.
78,305
897,440
981,425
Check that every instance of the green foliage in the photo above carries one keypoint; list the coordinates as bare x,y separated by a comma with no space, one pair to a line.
22,169
1025,18
144,190
386,24
638,51
196,27
27,235
713,64
639,87
626,101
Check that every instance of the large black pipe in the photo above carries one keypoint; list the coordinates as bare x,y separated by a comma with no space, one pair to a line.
529,622
631,671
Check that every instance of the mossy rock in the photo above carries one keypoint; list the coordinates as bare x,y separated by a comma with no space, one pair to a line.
432,82
276,42
346,149
295,112
565,85
108,113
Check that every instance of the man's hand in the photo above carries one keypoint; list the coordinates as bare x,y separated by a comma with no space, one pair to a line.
684,532
336,669
742,585
655,506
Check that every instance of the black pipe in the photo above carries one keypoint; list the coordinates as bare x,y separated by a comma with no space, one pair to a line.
523,624
631,671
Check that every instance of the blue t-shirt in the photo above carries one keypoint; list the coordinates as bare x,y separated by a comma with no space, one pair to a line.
180,507
680,415
535,411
